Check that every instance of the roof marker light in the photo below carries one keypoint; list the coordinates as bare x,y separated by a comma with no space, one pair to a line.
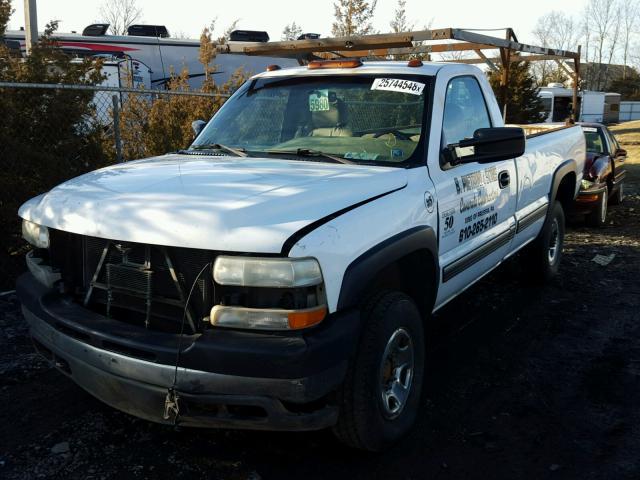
415,62
341,63
273,68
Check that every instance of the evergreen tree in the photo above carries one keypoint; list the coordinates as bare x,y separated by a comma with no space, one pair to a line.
523,103
5,15
291,31
353,18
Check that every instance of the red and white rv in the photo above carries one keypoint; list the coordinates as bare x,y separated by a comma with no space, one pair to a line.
150,47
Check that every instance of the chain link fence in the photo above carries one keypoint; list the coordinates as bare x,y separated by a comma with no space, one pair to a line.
105,117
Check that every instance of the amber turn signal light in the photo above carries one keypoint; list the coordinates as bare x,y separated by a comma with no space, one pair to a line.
588,198
341,63
306,318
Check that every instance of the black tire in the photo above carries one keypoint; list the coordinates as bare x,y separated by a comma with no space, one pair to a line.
618,197
364,422
544,254
598,217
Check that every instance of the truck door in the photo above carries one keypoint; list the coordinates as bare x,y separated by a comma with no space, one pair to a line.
476,201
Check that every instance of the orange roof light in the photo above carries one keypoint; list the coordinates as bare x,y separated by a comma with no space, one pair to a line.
272,68
415,62
341,63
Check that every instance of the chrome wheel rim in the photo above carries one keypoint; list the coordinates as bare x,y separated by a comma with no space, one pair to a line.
553,241
396,373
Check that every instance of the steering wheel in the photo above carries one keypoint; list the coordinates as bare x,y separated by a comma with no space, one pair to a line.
394,132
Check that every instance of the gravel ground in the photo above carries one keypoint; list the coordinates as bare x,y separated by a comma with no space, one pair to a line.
522,382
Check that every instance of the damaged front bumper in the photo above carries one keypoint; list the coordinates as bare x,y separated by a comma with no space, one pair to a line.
227,379
589,198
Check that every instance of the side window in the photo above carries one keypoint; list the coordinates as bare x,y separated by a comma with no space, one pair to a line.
465,110
612,141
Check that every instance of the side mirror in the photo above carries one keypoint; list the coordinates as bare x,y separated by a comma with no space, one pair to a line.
198,126
488,145
621,152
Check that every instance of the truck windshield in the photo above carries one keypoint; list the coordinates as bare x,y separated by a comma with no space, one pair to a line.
364,119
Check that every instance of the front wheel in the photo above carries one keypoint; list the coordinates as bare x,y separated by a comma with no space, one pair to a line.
544,254
380,396
598,217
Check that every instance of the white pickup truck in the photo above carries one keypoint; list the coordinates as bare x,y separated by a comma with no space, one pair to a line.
278,273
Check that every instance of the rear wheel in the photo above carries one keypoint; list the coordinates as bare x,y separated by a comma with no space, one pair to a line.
381,393
598,217
543,255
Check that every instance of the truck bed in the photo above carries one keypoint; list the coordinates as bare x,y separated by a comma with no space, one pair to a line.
536,129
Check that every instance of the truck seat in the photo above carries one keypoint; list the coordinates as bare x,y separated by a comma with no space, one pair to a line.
331,123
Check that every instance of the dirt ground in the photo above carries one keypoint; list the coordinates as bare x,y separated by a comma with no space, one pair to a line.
522,382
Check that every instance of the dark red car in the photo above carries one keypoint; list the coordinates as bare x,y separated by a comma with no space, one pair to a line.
603,174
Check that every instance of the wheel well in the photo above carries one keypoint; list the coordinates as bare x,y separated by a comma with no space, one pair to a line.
414,274
566,191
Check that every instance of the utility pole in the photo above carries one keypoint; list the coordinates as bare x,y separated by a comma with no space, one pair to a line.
30,24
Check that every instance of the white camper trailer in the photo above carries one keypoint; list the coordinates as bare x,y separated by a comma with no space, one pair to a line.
601,107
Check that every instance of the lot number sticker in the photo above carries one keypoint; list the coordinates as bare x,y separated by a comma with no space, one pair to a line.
319,101
398,85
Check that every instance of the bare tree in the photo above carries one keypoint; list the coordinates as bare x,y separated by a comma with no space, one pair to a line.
353,17
553,30
120,14
602,17
291,31
630,11
399,23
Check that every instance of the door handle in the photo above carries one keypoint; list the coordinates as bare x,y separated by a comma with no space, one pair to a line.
504,179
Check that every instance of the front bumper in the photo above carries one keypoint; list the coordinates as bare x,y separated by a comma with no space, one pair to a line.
225,378
588,199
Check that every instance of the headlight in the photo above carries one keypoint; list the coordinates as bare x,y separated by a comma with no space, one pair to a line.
586,184
266,293
36,235
267,272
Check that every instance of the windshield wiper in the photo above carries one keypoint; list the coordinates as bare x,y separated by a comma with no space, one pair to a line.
238,152
307,152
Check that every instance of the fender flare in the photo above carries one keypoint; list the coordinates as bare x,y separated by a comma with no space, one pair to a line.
566,167
359,273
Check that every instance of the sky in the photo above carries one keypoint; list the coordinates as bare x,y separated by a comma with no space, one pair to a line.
188,17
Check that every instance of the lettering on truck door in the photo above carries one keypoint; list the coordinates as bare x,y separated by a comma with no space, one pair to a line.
476,209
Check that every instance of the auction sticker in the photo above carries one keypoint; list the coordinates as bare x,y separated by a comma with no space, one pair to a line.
398,85
319,101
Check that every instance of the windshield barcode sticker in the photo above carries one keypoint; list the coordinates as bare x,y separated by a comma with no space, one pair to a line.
398,85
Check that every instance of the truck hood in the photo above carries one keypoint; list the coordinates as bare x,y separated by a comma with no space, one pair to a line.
215,203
